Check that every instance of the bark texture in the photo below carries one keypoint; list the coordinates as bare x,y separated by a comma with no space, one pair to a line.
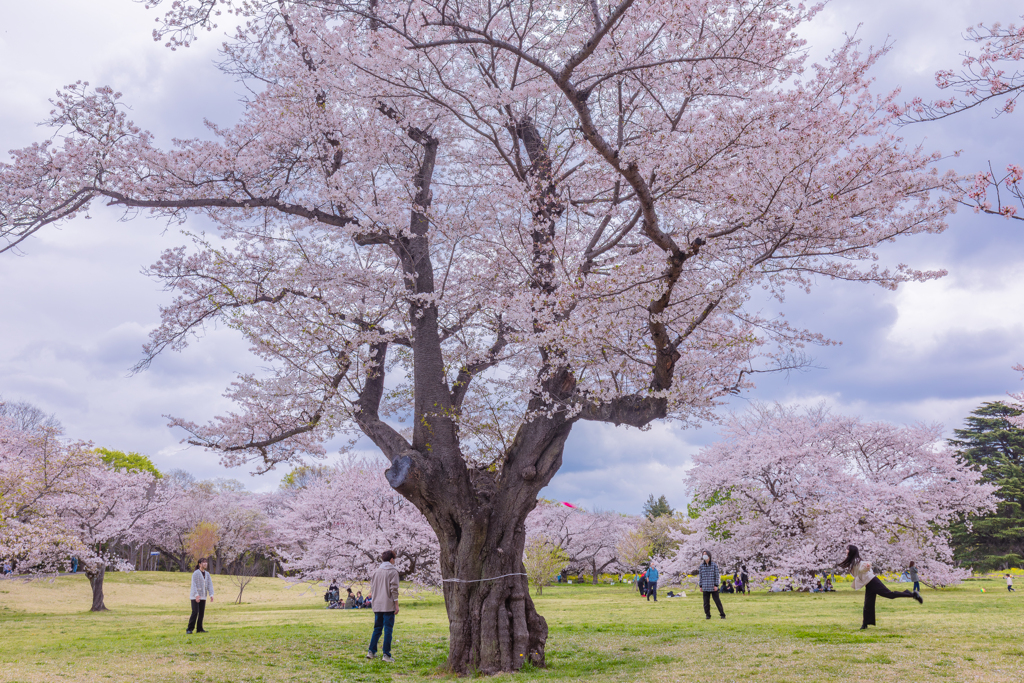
480,520
95,575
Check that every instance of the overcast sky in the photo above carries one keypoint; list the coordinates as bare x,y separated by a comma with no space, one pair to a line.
75,308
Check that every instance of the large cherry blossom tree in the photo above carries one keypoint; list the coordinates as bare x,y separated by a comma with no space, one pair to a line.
786,490
493,221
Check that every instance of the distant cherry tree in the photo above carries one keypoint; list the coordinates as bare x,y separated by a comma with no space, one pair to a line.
493,221
588,540
786,490
109,509
39,470
337,526
59,499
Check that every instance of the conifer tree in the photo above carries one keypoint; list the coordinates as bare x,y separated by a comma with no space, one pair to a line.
991,441
657,508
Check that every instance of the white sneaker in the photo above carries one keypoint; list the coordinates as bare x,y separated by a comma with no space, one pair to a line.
370,655
387,658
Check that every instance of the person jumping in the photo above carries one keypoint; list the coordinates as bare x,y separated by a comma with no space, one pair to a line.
873,586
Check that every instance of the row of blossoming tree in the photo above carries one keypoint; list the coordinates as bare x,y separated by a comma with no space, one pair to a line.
781,494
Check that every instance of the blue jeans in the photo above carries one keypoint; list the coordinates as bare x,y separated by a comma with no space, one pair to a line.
382,621
917,586
652,590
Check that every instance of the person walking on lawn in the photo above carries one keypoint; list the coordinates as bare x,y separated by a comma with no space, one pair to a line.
202,590
652,583
873,586
912,571
709,580
384,589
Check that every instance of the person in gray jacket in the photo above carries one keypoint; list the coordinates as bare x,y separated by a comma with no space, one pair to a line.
202,590
912,571
384,589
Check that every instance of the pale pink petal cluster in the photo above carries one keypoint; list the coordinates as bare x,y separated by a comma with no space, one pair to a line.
993,75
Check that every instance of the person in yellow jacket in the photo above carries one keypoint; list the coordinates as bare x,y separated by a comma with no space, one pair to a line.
384,589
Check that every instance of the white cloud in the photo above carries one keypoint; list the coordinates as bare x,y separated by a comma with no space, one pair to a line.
978,302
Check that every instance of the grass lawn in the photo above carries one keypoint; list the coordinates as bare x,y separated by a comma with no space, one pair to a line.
604,633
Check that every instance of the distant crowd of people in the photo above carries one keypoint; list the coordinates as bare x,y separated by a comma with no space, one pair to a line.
815,586
352,601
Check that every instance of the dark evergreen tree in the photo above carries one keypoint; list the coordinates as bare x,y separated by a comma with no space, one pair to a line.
657,508
995,541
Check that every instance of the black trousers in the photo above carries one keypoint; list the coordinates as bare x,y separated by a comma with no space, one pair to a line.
195,622
707,603
874,588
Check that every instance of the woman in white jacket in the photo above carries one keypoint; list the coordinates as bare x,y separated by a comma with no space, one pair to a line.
201,591
873,586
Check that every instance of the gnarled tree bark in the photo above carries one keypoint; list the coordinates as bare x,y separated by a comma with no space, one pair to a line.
96,574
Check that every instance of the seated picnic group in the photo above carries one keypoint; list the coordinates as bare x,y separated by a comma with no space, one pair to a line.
333,599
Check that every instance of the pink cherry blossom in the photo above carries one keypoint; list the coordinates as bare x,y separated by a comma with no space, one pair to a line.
786,490
984,79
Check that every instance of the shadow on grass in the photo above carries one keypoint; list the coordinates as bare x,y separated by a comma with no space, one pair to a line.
835,635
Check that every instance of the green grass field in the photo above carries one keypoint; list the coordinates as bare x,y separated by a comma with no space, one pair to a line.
603,633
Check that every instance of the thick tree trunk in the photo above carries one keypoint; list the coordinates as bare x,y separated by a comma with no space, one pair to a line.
493,625
95,575
480,520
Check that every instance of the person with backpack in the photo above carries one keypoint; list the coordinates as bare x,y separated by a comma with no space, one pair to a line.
641,584
652,583
709,579
384,589
864,577
201,591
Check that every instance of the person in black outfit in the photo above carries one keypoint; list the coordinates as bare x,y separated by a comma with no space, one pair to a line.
709,580
873,586
745,578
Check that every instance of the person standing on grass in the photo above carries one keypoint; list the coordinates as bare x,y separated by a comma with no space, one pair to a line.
709,580
1009,584
873,586
912,571
652,583
384,589
745,578
202,590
